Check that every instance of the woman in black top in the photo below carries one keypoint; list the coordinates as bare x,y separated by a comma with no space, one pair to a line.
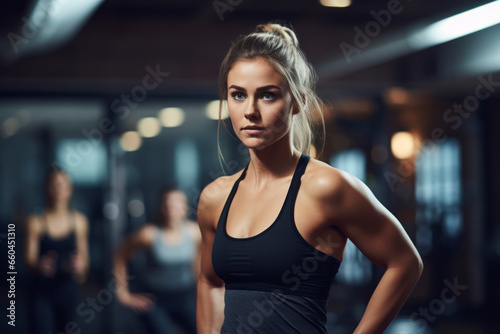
56,252
274,233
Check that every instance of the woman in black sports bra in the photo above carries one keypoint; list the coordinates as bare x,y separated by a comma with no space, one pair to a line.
56,253
273,234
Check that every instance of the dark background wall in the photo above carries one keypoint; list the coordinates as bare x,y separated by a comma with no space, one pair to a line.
66,72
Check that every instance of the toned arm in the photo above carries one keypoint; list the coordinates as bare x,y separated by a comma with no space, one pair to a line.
381,238
32,242
194,231
210,295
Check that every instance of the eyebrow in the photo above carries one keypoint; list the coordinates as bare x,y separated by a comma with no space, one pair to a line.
260,89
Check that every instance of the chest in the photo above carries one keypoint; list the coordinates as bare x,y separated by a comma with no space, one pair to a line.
58,226
253,211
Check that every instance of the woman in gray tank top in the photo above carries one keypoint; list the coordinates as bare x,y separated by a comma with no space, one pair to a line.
168,300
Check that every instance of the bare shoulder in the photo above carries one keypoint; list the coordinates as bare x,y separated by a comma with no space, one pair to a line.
81,222
336,193
194,230
145,235
323,181
213,198
218,189
34,224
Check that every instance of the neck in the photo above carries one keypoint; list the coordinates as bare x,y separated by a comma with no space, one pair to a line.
58,208
171,225
273,162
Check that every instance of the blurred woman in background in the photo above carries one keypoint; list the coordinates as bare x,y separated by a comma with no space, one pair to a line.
169,297
56,252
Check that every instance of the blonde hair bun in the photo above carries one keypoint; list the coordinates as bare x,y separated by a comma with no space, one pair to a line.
273,28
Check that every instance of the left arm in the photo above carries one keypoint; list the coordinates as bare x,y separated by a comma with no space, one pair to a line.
194,230
80,260
382,239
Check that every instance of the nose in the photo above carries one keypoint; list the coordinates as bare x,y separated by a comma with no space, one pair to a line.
252,109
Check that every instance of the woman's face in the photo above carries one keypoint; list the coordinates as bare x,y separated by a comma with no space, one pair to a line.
174,206
59,188
259,103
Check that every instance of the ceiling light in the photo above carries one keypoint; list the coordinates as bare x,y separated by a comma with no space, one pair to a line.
457,26
403,145
149,127
335,3
130,141
212,110
171,117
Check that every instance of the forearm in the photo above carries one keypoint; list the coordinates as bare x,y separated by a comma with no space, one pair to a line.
121,277
82,269
388,298
209,308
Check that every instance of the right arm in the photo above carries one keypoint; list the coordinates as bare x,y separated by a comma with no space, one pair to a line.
32,242
39,264
141,239
210,295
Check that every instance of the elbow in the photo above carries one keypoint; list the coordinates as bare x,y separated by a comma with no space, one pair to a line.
420,265
416,265
411,266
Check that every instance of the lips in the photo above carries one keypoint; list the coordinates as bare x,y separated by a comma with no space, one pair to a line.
252,129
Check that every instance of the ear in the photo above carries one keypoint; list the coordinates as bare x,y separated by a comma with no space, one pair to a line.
295,105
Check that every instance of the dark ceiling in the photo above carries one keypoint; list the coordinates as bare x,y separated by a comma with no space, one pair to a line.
188,39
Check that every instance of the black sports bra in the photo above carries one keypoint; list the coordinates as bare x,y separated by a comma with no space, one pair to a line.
278,259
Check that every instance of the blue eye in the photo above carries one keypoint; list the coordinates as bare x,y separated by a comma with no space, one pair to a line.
268,96
238,96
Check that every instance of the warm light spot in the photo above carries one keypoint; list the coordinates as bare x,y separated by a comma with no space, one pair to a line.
212,110
171,117
335,3
149,127
397,95
10,126
403,145
130,141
